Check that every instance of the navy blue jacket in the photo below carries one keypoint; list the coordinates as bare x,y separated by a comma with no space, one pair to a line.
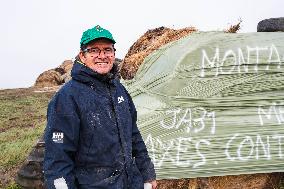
92,140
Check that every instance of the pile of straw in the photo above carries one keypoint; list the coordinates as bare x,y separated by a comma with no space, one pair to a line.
146,44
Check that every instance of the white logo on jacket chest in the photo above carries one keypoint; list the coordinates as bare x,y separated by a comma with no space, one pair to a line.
120,99
57,137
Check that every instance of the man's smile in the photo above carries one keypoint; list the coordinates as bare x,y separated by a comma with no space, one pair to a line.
101,63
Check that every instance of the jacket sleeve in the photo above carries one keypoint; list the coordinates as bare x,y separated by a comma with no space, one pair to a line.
139,149
61,141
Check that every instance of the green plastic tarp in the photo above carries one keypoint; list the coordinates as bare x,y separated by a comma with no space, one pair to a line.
212,104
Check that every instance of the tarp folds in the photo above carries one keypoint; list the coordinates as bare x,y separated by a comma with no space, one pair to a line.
212,104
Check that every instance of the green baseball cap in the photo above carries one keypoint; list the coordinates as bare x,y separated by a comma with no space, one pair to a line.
95,33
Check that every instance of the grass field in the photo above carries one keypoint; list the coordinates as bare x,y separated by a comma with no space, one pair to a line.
22,122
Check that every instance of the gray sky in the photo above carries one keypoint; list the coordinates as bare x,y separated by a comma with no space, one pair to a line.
38,35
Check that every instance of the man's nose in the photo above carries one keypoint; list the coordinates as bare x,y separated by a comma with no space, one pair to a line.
102,54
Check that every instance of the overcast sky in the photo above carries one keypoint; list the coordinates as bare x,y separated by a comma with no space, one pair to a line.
38,35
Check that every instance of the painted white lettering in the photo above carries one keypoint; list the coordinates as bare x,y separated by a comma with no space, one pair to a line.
279,137
166,148
265,147
213,128
228,146
186,121
203,159
273,50
200,121
182,150
228,54
212,63
242,61
174,112
247,139
272,111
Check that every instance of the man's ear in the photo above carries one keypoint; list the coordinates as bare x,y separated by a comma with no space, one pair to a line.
82,56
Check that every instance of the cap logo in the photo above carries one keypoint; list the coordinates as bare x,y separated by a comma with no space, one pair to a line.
98,28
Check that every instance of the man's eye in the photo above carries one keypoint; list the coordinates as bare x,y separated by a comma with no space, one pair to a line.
95,50
108,50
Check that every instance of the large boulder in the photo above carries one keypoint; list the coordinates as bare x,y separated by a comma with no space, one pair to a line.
271,25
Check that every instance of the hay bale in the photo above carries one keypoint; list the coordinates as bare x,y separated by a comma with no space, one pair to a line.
255,181
146,44
56,76
178,184
49,78
66,65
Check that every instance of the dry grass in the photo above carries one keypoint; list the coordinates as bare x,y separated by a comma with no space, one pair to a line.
234,28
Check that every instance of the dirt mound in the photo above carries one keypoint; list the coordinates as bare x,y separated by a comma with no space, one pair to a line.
146,44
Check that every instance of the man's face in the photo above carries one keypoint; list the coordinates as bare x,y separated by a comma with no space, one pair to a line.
99,56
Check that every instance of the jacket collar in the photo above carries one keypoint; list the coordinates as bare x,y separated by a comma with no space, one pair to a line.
80,72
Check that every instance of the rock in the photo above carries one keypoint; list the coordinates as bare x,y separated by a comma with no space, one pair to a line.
271,25
30,175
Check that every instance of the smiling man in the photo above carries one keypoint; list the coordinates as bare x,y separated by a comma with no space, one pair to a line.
92,140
